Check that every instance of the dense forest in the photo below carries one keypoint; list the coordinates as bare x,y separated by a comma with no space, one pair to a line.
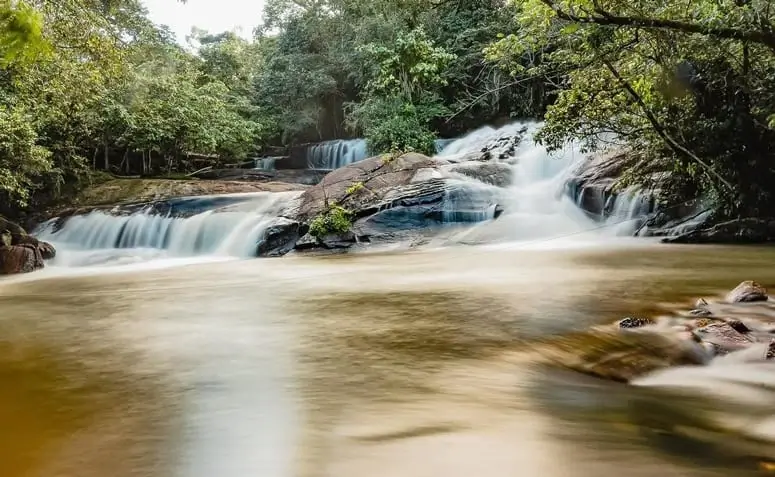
687,87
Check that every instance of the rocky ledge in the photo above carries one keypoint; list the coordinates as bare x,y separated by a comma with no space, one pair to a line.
739,327
21,252
387,199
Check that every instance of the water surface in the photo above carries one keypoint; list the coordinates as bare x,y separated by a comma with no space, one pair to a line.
385,364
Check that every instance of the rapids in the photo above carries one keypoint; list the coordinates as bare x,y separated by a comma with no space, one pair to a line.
536,209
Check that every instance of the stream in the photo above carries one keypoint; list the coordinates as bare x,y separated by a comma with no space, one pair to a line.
382,364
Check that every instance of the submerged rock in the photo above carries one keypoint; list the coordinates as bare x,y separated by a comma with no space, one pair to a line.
746,292
623,355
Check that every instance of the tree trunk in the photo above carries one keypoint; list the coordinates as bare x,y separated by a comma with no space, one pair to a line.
107,157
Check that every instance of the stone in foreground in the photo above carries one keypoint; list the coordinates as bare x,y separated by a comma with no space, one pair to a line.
747,292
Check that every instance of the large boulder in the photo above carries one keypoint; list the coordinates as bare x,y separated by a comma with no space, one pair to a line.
20,252
387,196
19,259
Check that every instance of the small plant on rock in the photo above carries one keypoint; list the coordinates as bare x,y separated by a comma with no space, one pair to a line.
355,188
335,220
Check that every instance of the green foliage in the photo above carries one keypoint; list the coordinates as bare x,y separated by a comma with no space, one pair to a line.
335,220
22,161
355,188
689,87
393,124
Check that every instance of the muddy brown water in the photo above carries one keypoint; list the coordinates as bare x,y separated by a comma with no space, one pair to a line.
391,364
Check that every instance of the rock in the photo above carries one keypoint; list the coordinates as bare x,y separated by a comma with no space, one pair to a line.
497,174
746,292
622,356
19,252
723,335
592,183
630,322
739,326
387,196
700,312
279,237
337,241
46,250
770,351
20,259
701,303
739,231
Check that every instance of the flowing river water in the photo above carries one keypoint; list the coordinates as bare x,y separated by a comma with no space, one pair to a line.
150,348
385,364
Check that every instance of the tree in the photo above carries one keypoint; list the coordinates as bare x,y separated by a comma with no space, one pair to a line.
688,88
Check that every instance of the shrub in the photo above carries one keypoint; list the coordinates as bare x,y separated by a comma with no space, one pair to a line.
335,220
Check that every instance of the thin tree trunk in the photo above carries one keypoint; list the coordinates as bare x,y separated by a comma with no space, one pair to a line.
94,158
107,157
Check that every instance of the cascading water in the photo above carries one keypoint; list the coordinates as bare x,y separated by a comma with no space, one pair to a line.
535,206
336,154
265,163
101,238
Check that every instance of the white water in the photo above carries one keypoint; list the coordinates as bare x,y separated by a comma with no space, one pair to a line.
99,238
536,208
337,153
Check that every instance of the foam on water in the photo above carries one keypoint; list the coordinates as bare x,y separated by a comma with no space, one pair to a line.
536,206
99,238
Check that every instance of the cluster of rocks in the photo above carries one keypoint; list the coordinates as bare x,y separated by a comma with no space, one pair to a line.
21,252
737,327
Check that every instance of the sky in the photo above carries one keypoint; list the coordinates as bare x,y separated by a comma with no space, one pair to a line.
214,16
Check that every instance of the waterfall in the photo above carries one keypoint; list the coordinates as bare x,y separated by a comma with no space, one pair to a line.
535,205
99,237
625,210
336,154
265,163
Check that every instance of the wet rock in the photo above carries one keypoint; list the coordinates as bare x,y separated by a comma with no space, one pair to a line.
46,250
739,326
630,322
280,237
770,351
700,312
20,252
723,335
746,230
497,174
337,241
388,195
746,292
20,259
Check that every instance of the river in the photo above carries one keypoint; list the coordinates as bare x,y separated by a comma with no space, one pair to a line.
379,364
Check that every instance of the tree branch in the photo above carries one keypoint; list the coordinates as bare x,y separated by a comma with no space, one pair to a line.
763,37
660,130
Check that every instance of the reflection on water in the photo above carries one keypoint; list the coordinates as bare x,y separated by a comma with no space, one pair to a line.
411,364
